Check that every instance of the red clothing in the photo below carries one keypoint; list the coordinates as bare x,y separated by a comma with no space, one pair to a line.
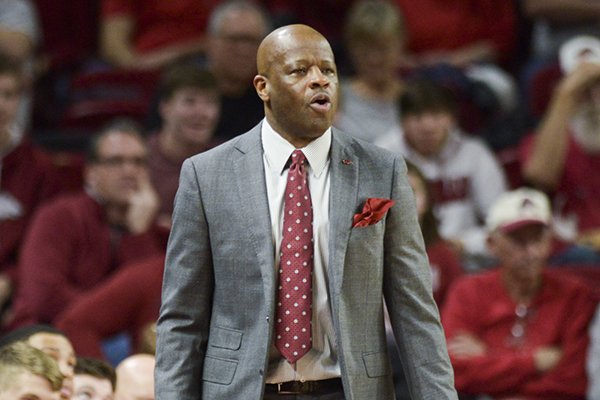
164,173
128,301
558,316
438,25
326,16
579,187
29,177
445,268
161,23
69,249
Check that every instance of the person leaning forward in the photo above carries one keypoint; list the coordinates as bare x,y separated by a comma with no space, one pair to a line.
257,305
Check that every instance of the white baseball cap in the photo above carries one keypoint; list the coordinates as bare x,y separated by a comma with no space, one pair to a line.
578,49
518,208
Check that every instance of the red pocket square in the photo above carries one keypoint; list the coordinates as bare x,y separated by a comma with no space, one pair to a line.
372,212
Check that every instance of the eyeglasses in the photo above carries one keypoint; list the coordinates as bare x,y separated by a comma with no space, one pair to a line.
118,161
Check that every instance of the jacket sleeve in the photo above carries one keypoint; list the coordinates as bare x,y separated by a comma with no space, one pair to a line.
182,329
407,289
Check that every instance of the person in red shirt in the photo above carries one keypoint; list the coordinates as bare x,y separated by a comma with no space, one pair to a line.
78,240
127,302
152,33
519,331
189,109
27,176
569,135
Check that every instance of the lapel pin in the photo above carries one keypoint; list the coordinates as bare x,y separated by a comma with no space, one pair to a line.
347,162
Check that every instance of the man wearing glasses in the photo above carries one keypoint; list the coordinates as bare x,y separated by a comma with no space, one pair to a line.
78,240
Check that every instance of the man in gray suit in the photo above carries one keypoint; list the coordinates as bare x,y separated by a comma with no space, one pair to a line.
284,242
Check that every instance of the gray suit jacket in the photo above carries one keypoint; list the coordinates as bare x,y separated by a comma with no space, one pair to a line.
218,305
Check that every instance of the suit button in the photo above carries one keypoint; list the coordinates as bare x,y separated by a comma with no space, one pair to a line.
267,318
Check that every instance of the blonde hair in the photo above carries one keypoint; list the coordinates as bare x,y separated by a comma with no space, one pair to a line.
373,20
19,357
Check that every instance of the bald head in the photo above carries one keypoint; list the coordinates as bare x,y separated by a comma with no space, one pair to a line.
135,378
297,82
284,39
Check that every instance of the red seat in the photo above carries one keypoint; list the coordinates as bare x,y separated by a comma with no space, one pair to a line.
97,97
88,116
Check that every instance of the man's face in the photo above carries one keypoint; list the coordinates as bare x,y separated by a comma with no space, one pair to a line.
191,115
29,387
87,387
232,50
120,169
300,87
60,349
426,133
522,252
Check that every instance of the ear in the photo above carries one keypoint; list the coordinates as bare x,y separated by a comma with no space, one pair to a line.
262,86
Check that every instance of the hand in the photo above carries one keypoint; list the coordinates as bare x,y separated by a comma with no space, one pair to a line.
546,358
579,80
143,207
466,345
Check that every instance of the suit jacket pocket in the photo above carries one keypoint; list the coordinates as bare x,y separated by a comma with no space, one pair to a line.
218,370
376,364
225,338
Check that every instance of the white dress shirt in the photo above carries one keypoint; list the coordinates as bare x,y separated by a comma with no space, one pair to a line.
321,361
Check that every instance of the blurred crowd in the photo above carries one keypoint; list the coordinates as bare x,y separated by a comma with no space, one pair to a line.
494,104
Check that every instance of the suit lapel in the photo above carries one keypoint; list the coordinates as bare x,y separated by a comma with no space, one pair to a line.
342,203
254,204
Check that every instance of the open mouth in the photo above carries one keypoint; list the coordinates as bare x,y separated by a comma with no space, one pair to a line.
320,102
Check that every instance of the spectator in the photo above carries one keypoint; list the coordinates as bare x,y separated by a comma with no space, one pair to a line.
77,241
459,32
235,30
127,302
135,378
374,36
569,135
27,176
189,110
19,38
443,260
52,342
464,175
93,380
27,373
151,34
519,331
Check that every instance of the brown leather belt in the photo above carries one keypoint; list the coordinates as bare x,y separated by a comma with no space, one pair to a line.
307,387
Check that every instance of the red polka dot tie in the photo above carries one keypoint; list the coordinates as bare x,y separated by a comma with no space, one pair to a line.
293,327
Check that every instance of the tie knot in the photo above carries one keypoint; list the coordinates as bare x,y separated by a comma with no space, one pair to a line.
297,157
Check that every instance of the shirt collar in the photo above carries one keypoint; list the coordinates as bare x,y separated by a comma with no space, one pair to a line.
277,150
